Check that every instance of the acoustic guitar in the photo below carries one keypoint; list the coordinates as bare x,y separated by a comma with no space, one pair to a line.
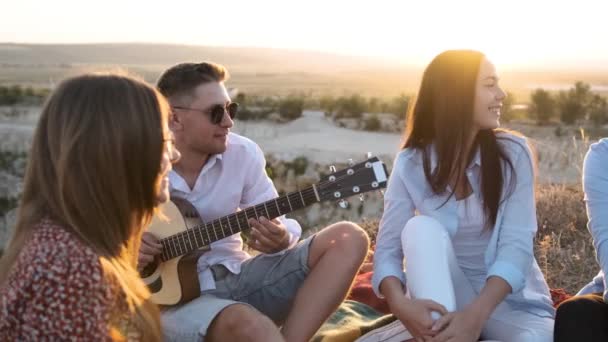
172,277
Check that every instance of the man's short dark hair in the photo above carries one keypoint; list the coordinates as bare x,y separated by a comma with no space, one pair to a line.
182,79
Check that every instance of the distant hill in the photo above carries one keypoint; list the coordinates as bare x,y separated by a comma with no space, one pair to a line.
261,70
264,59
254,70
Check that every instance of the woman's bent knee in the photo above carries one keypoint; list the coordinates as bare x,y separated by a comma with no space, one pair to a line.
423,228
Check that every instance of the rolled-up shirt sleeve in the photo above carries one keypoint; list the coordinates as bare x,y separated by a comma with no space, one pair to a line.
518,226
595,186
259,188
398,209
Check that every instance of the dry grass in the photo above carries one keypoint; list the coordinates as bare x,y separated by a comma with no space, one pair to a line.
560,159
563,248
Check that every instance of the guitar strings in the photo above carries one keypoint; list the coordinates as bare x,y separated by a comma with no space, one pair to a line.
181,240
189,234
233,219
186,237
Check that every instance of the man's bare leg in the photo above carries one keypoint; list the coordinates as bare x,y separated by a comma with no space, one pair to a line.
240,322
334,259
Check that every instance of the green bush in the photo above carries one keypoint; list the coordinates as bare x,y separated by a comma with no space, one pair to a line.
7,204
299,165
543,106
291,108
598,111
16,94
373,123
13,162
574,103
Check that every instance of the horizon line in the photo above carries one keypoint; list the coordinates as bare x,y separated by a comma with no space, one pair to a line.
569,63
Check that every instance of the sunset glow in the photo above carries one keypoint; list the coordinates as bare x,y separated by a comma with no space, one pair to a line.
514,33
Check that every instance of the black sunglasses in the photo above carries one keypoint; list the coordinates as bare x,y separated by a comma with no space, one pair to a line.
216,113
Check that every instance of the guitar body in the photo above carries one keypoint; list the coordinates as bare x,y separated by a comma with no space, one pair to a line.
174,281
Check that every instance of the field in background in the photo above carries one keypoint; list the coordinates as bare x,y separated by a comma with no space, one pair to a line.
260,71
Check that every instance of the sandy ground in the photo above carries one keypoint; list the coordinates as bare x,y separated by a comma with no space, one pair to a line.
559,159
318,139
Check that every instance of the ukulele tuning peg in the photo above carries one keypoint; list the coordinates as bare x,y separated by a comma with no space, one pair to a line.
351,162
368,155
382,192
361,198
332,168
343,204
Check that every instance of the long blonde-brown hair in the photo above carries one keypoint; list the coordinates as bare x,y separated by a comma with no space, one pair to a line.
94,168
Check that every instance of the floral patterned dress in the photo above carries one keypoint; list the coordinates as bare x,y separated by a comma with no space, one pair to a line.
55,290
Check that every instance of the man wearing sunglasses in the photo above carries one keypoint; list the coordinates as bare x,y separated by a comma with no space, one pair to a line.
291,283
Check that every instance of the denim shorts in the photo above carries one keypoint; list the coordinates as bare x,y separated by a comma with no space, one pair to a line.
268,283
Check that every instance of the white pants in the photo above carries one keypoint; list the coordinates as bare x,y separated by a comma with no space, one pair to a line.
433,273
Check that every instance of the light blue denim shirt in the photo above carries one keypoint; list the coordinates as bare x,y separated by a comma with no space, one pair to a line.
595,186
510,251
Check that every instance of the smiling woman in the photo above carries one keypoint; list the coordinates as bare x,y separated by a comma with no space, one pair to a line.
460,202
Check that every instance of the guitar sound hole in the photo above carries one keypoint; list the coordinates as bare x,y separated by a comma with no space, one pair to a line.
149,269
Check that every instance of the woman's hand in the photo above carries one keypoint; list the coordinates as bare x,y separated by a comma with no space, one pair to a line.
466,325
460,326
415,314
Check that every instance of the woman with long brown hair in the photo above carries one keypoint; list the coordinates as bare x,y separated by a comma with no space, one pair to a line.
96,172
460,209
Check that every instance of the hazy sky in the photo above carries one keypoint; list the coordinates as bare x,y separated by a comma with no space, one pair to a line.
511,32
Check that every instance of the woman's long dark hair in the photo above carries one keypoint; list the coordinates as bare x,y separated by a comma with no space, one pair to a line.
442,117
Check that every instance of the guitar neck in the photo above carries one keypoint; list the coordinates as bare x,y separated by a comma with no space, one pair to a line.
207,233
